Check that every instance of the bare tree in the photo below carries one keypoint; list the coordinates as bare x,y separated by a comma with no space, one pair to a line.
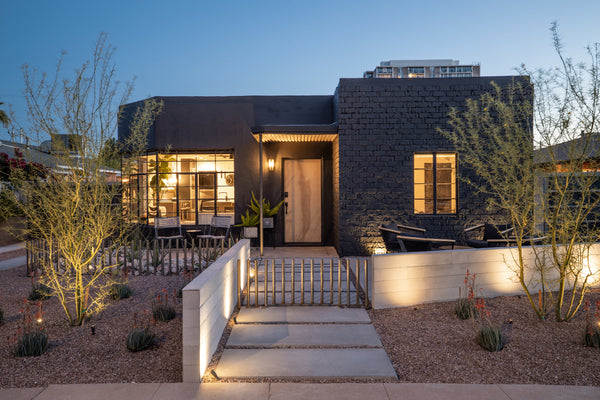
74,211
553,192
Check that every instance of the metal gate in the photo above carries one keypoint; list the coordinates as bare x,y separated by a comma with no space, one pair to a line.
307,281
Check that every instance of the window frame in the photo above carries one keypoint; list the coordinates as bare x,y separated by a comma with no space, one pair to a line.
434,155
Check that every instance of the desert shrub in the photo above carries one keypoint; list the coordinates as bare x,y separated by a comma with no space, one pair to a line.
490,337
163,308
465,306
591,333
120,291
140,339
39,291
33,343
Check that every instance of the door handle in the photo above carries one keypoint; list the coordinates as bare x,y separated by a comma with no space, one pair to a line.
286,207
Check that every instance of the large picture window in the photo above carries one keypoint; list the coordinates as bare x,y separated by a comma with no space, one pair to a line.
435,183
192,186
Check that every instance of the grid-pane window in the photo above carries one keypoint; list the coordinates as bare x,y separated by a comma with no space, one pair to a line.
435,183
194,186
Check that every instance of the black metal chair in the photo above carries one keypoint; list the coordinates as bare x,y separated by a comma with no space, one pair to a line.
495,236
403,238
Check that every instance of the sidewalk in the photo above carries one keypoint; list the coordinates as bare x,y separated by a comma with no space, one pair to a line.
12,262
281,391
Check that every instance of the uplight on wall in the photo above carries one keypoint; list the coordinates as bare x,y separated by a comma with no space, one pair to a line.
271,164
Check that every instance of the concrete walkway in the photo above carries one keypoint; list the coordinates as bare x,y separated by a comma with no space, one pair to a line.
12,262
292,391
304,342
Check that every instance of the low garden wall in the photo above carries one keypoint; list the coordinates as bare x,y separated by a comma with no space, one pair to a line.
405,279
208,302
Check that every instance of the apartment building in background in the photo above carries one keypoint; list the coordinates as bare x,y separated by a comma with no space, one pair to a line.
423,69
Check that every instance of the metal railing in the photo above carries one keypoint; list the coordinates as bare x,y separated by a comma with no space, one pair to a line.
307,281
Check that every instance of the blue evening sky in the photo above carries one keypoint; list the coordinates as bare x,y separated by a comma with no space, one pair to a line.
223,48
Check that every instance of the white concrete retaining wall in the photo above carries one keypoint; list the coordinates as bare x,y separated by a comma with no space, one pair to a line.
405,279
208,302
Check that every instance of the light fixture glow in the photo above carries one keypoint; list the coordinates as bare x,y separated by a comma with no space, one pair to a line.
271,164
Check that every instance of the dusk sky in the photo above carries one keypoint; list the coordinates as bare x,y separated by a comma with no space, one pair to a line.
285,47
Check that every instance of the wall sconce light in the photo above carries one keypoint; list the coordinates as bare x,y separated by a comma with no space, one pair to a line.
271,164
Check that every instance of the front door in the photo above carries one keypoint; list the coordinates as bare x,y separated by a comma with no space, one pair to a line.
302,195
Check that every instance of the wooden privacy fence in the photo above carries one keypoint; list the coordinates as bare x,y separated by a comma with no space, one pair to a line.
138,257
321,281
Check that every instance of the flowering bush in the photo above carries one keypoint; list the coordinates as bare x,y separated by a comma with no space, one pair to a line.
489,335
163,308
141,336
33,340
31,170
465,307
591,334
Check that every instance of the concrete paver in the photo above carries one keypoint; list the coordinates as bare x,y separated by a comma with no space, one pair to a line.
441,391
212,391
352,362
133,391
300,314
20,394
276,391
545,392
346,391
304,335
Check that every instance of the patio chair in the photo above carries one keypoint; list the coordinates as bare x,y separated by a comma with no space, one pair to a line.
219,229
494,236
405,238
167,228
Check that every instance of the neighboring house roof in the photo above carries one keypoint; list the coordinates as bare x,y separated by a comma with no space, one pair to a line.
572,149
38,155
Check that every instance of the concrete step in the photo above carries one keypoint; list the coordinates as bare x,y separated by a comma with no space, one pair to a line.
299,314
356,335
304,363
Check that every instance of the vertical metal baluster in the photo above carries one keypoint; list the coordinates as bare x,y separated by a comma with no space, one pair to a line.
321,281
293,283
274,293
366,283
339,282
266,280
331,281
302,282
248,283
357,280
312,281
282,281
348,282
255,283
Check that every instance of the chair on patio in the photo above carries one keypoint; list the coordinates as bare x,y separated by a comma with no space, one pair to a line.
494,236
167,228
219,229
403,238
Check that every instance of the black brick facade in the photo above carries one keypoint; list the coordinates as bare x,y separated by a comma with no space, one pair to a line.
382,123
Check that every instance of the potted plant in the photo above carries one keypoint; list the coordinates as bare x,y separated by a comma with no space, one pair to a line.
268,211
250,225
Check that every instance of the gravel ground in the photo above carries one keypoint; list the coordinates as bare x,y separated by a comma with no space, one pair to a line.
77,356
426,343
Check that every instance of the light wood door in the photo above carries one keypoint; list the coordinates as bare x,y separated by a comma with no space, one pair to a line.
302,194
